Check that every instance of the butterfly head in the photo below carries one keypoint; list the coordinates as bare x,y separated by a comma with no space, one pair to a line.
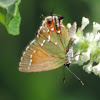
52,23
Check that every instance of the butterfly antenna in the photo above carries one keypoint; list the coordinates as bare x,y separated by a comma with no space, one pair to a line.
51,13
42,16
75,76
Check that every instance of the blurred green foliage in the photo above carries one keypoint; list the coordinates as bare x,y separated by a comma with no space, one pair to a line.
15,85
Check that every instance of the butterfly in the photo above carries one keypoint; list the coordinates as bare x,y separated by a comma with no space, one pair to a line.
51,48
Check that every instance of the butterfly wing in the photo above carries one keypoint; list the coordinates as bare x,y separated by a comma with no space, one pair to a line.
48,50
53,38
36,59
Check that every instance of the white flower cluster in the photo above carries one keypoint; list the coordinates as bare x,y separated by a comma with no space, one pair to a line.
87,47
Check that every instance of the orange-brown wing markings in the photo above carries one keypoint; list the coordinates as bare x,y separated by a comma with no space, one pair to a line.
39,61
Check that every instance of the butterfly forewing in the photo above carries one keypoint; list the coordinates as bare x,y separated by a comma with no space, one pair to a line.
49,45
53,38
64,36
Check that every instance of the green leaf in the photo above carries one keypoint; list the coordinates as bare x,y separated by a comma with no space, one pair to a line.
10,16
13,26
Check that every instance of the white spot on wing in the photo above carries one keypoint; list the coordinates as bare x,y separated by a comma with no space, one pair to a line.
30,60
28,68
62,25
30,56
61,22
49,37
43,41
29,64
24,53
37,35
32,42
58,31
20,63
55,43
41,44
44,30
21,58
57,23
43,23
40,27
34,51
47,30
27,47
49,17
39,31
52,29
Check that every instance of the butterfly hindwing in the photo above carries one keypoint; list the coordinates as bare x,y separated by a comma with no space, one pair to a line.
35,59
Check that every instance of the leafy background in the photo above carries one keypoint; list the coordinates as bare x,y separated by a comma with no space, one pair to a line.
15,85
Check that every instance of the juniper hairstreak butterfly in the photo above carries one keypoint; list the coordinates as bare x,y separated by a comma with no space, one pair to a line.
50,49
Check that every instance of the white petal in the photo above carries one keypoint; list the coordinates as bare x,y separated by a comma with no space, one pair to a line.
86,55
76,39
88,67
70,55
96,27
96,69
85,22
97,37
89,37
69,25
77,56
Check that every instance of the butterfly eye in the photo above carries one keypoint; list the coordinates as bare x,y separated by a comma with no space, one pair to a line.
49,22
